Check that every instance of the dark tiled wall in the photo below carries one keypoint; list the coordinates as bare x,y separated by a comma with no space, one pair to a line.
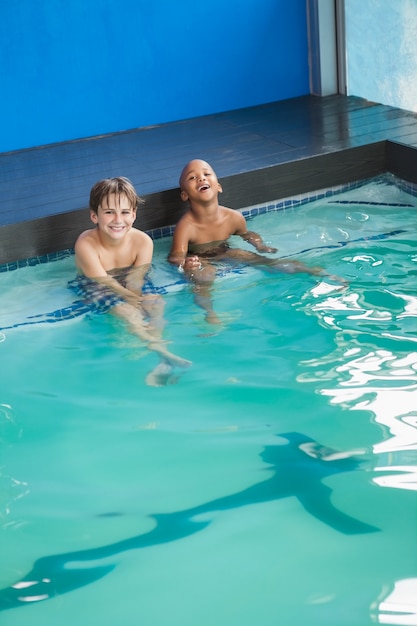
59,232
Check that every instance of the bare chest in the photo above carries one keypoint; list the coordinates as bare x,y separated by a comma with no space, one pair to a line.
216,231
111,259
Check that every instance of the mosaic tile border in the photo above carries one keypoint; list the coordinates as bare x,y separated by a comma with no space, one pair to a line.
248,212
296,201
299,200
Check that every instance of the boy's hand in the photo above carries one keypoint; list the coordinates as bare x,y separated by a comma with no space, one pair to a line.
199,272
192,264
264,248
134,300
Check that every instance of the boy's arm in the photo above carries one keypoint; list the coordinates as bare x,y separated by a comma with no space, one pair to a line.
250,236
136,277
179,250
179,247
143,245
87,259
256,240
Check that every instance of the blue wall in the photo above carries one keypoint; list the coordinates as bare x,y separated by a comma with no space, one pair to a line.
381,61
80,68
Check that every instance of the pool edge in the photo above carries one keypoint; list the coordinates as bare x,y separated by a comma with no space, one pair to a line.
55,235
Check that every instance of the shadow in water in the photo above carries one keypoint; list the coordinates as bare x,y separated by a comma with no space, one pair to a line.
299,469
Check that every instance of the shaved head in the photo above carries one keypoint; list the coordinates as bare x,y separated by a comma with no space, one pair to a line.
190,166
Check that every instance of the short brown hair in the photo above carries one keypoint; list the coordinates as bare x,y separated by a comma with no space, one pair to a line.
118,185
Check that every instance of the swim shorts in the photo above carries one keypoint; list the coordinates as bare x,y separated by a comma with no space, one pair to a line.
96,296
212,253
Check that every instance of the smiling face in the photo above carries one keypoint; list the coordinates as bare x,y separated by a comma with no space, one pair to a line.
199,181
115,216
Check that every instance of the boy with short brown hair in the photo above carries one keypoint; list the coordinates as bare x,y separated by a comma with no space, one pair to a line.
112,260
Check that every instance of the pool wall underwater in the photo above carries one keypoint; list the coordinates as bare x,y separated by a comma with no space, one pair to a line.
49,235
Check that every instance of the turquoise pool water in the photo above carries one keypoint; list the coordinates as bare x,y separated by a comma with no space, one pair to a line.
275,482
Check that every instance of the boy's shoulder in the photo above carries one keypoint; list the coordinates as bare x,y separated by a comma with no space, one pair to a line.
139,234
231,214
226,210
186,218
87,236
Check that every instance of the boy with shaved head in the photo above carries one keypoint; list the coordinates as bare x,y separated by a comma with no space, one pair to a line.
201,236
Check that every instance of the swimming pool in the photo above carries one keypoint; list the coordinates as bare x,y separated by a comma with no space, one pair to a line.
274,482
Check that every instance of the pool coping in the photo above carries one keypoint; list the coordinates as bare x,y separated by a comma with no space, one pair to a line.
50,238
